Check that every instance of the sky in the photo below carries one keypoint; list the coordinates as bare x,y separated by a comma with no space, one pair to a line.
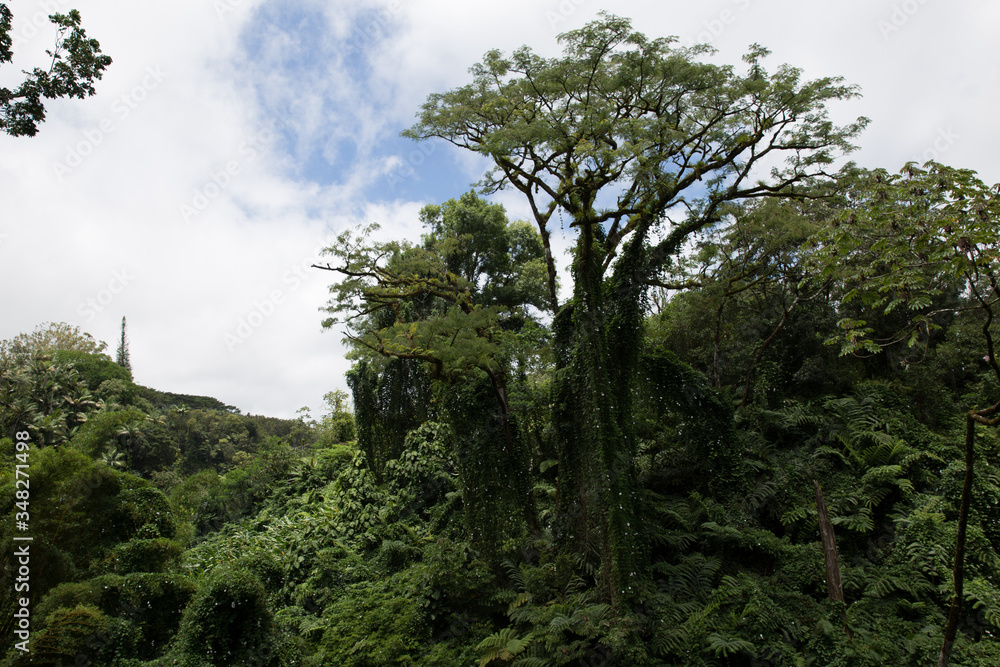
231,141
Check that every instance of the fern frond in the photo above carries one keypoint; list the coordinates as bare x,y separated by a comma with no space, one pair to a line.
860,522
521,599
671,641
723,647
797,514
763,492
887,584
531,662
503,645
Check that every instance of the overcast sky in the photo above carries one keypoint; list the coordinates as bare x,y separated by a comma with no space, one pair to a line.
230,140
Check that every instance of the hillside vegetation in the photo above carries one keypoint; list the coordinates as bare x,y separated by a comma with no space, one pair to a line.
756,429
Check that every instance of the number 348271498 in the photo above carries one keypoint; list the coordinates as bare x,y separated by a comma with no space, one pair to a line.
22,481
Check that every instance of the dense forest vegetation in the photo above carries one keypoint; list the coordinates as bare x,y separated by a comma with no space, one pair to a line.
755,429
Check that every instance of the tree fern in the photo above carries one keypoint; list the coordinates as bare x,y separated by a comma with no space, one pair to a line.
797,513
888,474
531,661
504,645
858,522
758,497
796,416
580,618
725,647
674,522
670,640
691,578
888,583
985,599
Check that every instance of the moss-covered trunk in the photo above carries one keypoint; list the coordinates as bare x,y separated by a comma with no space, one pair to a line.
598,339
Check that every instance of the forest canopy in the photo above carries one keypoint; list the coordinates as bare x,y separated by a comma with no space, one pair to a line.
756,427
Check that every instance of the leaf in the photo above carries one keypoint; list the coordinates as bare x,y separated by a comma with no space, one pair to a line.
724,647
503,645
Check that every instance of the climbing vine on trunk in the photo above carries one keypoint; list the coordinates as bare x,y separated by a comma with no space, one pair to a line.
636,145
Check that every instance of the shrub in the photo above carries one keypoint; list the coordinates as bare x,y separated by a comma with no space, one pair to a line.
229,623
144,610
93,368
144,555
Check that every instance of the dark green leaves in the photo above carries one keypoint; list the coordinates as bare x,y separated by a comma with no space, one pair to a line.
77,62
904,240
446,301
640,121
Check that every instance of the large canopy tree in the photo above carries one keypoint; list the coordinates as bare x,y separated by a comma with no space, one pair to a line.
458,304
48,338
638,144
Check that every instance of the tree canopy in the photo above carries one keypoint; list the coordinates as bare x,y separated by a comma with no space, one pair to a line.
757,426
902,243
640,145
447,300
77,62
627,133
461,305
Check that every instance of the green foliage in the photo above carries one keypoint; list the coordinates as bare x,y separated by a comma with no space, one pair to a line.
749,290
423,474
492,462
267,570
165,400
358,502
245,486
143,611
390,399
444,301
100,432
904,241
555,620
502,262
456,305
72,632
210,438
44,398
691,436
416,616
372,624
611,486
122,357
77,62
93,368
145,512
337,425
190,499
157,554
626,114
119,392
504,645
207,500
49,337
638,122
229,623
79,513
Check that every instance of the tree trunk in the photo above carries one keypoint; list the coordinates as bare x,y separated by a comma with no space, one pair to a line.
598,335
514,445
834,585
958,570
